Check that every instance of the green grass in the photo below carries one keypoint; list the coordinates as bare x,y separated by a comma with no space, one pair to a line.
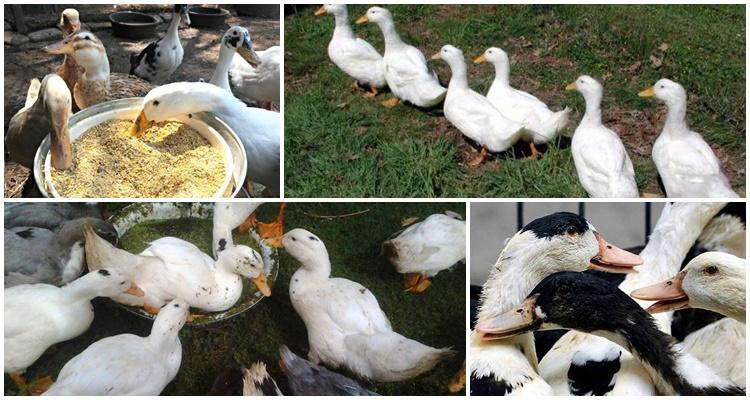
436,317
339,144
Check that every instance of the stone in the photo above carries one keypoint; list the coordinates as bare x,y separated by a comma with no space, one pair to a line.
15,39
45,35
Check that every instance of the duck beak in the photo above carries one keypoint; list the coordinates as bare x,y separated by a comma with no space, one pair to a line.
669,295
480,59
571,86
140,125
61,47
262,285
185,18
135,290
435,56
361,20
614,259
646,92
249,55
320,11
519,319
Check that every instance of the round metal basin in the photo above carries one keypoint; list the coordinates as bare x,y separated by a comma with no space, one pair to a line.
219,134
137,213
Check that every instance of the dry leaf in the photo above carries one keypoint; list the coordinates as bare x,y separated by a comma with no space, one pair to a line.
409,221
361,130
664,46
656,62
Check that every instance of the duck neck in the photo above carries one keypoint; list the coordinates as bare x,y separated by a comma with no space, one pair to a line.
174,25
95,64
502,74
165,331
593,114
342,28
390,36
220,77
459,80
317,265
81,290
676,116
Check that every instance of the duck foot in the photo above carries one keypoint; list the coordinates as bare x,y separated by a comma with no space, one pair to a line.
390,103
534,153
151,309
479,158
249,188
371,93
416,283
34,388
249,222
458,381
272,232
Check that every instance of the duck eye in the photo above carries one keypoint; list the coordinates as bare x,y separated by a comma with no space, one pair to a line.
712,270
155,103
294,239
122,283
661,86
176,306
313,238
571,231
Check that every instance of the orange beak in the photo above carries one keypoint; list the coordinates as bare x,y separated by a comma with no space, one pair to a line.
614,259
140,125
669,295
135,290
262,285
320,11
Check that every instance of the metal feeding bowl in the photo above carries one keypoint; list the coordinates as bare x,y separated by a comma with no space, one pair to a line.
133,25
218,134
198,233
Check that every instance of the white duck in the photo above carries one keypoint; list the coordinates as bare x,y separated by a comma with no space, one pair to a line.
603,164
228,216
259,130
404,66
556,242
37,316
345,325
172,268
353,55
472,113
687,165
261,83
542,125
424,249
678,227
160,58
236,44
126,364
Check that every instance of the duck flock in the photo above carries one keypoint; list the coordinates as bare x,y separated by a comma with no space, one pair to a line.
686,164
84,79
47,301
557,317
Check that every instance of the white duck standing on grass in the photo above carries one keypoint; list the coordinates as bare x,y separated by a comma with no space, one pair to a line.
556,242
172,268
259,130
424,249
228,216
127,365
262,73
160,58
38,316
687,165
47,109
472,113
603,164
353,55
345,325
404,66
542,125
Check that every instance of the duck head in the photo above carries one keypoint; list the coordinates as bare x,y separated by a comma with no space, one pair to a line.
711,281
108,283
334,9
308,249
174,100
496,56
69,21
570,300
671,93
450,54
171,318
377,15
589,87
87,50
57,103
72,231
182,11
244,261
238,39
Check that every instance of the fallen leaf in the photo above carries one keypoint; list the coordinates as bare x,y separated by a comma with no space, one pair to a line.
633,68
664,46
409,221
656,62
537,52
361,130
340,105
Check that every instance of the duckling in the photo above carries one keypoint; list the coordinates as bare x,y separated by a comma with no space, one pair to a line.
424,249
345,324
69,71
259,130
603,164
161,58
96,84
37,316
308,379
687,165
472,113
47,109
39,255
51,216
127,365
404,66
353,55
542,125
172,268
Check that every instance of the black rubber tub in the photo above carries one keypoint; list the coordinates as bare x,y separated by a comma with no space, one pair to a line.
133,25
207,17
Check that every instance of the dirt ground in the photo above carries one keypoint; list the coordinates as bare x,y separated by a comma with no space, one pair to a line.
201,46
